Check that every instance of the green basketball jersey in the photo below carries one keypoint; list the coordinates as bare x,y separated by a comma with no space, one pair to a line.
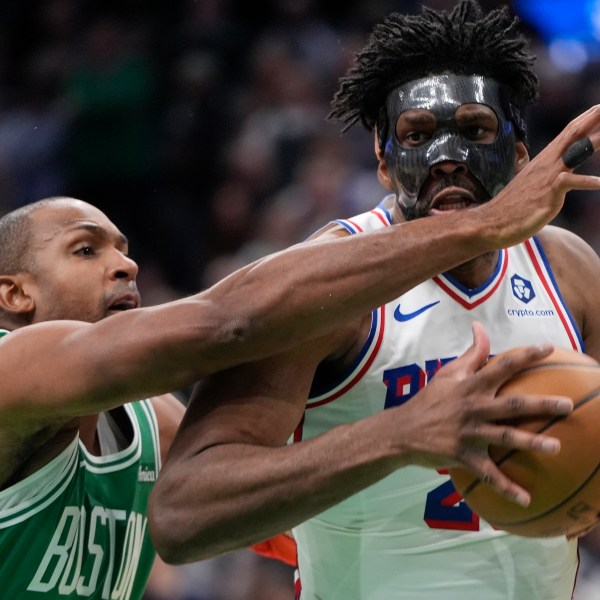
77,528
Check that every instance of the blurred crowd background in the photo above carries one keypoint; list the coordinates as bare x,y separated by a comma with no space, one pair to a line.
199,127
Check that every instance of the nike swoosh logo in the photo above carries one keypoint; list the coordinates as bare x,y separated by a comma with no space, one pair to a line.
400,316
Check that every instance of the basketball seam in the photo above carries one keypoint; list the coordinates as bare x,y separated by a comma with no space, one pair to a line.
554,507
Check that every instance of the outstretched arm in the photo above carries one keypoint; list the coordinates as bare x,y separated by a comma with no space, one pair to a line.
237,482
311,288
274,303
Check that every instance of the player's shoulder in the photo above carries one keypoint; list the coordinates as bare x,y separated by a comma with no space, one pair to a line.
564,246
333,229
557,233
168,408
329,231
576,268
373,219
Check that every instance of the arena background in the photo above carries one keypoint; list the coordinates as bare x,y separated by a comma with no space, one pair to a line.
199,127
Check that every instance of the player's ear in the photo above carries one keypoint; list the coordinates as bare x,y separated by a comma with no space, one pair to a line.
522,157
382,169
13,295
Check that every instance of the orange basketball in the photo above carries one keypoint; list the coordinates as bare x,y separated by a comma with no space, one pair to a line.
565,488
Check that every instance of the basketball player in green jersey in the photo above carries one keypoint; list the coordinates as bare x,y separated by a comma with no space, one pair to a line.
79,453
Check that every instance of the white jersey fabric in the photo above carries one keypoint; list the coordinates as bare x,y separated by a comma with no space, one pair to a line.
410,536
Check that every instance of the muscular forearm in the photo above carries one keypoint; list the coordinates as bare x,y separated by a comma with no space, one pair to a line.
240,494
280,301
269,306
314,287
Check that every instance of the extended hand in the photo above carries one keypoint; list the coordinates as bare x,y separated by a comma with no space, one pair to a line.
537,193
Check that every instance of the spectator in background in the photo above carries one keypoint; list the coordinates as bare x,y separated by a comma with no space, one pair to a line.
111,147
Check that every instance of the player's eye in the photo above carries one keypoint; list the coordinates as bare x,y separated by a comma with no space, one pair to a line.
85,251
477,123
415,127
478,133
414,138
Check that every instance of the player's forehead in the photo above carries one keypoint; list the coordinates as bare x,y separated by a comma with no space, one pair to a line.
64,217
467,113
443,94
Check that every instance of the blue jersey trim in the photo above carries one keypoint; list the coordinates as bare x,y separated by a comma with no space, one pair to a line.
544,258
474,291
346,225
325,389
388,213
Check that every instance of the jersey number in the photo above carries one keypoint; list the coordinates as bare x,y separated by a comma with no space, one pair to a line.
444,507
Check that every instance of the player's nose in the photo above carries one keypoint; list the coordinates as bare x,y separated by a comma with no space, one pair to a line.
448,167
124,268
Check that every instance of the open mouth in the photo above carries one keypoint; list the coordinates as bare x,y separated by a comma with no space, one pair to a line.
123,303
453,198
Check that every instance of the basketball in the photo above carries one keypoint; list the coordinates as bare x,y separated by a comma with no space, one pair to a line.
564,488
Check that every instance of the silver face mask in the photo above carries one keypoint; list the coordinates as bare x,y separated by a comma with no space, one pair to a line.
493,165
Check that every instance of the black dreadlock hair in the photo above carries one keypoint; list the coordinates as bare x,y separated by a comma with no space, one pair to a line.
465,41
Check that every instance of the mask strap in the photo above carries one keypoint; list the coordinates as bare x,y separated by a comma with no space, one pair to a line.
383,125
513,113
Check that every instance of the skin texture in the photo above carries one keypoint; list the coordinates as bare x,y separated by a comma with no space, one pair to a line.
238,483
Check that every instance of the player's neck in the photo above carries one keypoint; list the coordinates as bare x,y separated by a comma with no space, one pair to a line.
471,274
475,272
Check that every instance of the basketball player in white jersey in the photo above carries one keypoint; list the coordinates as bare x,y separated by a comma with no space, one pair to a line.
77,466
444,93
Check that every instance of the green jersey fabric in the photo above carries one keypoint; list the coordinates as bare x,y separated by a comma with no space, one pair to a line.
77,528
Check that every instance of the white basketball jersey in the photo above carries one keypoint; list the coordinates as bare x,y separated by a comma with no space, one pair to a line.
410,536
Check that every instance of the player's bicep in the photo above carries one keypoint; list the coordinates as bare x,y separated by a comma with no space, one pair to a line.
257,403
579,286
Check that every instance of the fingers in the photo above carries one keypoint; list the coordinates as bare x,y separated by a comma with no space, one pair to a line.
509,408
513,438
578,152
581,142
583,532
502,367
477,354
595,139
582,125
479,462
573,181
484,468
479,416
503,435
